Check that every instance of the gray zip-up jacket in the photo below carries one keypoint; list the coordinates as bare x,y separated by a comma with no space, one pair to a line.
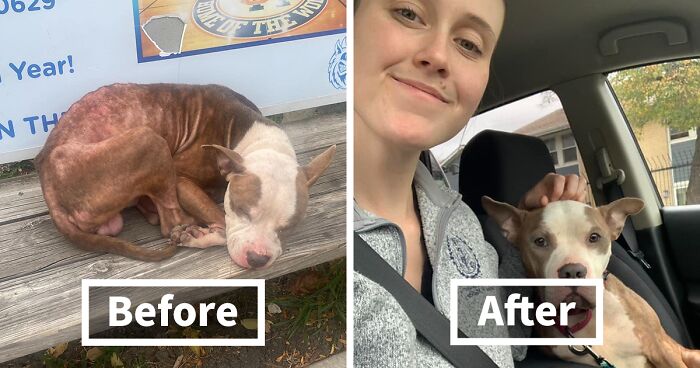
383,334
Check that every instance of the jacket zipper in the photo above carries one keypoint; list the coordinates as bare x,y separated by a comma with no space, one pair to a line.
440,231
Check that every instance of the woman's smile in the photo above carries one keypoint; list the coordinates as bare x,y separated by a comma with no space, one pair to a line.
421,90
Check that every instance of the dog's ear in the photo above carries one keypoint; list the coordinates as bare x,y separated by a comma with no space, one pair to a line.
317,166
616,213
229,161
509,218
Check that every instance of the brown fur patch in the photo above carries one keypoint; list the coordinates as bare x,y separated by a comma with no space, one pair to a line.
660,349
534,258
106,135
601,227
245,191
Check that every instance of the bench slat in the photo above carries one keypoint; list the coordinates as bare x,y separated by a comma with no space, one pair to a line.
21,197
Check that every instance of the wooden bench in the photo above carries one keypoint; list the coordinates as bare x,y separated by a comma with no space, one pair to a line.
41,272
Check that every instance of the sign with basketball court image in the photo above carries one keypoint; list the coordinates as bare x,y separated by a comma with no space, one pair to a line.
175,28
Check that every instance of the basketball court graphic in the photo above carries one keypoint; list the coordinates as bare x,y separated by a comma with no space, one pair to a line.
215,25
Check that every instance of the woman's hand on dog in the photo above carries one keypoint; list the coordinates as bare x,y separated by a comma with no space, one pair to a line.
555,187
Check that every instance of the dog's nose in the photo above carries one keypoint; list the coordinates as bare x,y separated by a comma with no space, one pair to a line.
572,271
257,260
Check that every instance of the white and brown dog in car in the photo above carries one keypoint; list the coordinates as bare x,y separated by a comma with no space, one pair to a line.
174,151
568,239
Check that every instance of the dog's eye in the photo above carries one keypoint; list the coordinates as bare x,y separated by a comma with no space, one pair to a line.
541,242
594,237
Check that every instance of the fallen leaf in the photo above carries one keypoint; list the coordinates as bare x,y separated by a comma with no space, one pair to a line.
190,333
115,361
199,363
178,361
307,282
57,350
250,323
273,308
198,350
268,326
93,354
279,358
332,349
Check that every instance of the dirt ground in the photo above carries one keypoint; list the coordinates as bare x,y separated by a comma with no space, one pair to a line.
305,314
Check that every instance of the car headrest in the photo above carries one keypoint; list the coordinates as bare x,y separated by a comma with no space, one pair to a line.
502,166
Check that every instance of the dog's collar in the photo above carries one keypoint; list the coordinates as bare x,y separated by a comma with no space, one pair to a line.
587,318
578,326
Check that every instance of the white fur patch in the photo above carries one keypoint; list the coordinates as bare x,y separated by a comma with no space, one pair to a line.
267,153
570,226
265,136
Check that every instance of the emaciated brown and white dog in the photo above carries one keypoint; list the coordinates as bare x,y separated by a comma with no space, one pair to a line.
174,151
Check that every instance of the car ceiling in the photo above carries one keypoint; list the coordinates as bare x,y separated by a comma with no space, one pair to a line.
546,42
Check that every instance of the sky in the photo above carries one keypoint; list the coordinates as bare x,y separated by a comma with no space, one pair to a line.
506,118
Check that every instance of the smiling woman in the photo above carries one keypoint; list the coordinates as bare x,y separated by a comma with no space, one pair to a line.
417,82
431,71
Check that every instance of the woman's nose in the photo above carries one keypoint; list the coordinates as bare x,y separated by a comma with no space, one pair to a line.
433,55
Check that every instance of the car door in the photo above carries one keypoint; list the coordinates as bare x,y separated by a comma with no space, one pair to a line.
662,104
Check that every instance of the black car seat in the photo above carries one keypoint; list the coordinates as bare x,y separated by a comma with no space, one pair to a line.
505,166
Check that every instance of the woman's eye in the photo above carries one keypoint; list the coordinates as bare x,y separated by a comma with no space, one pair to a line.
541,242
594,237
468,46
407,13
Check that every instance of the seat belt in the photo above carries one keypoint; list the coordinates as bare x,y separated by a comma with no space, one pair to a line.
430,323
628,238
610,183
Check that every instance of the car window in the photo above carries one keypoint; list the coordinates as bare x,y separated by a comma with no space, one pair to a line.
662,105
435,169
540,115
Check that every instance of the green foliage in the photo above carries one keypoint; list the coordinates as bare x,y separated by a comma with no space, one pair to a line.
50,361
328,302
16,168
277,118
667,93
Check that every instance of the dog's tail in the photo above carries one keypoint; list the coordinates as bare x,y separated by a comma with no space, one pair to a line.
113,245
101,243
691,358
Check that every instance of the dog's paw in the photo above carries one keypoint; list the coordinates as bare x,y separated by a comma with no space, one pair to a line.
216,229
197,237
183,235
